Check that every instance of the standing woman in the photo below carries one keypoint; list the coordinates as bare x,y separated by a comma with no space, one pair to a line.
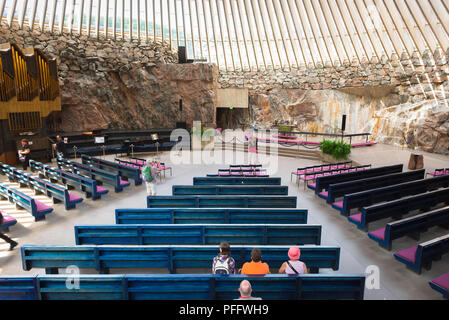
24,154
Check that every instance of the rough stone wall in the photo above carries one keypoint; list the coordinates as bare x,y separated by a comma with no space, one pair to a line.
397,100
107,84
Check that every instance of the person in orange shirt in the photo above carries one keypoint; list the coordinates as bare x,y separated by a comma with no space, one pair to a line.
256,266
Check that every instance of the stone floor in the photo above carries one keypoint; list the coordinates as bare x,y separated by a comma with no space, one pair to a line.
357,251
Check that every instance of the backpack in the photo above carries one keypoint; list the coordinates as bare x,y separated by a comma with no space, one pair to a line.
221,267
146,174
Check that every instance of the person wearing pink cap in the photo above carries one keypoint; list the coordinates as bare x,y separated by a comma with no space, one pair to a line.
293,266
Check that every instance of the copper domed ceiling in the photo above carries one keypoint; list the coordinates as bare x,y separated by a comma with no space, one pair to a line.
251,34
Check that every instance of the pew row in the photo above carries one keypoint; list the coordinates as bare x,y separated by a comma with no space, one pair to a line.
397,208
411,226
322,183
58,193
35,207
177,286
388,193
210,216
70,180
338,190
125,172
104,258
422,255
237,201
237,181
103,176
199,234
180,190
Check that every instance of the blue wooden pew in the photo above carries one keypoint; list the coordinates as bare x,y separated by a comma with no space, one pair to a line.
221,201
422,255
388,193
104,258
441,284
182,287
322,183
178,190
71,180
276,181
200,234
58,193
211,216
412,227
107,177
18,288
35,207
338,190
123,171
397,208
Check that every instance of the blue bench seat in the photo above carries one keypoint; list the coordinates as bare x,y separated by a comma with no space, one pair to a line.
35,207
182,287
441,284
338,190
391,192
70,180
400,207
171,257
210,215
323,183
198,234
236,201
411,226
422,255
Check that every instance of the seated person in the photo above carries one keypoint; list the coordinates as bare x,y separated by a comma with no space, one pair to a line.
293,266
256,266
223,263
245,291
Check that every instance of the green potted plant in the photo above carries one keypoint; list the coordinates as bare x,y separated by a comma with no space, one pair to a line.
333,151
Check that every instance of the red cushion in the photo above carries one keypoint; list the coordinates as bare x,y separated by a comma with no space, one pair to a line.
380,233
41,206
409,253
356,217
442,281
338,204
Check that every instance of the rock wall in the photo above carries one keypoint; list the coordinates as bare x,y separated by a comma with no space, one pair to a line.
109,84
401,101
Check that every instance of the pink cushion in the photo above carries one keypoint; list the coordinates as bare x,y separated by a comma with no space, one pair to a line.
100,189
41,206
380,233
408,254
324,193
338,204
74,197
299,172
313,185
442,281
317,170
356,217
124,183
7,219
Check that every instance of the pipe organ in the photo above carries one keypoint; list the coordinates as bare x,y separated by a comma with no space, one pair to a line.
29,100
